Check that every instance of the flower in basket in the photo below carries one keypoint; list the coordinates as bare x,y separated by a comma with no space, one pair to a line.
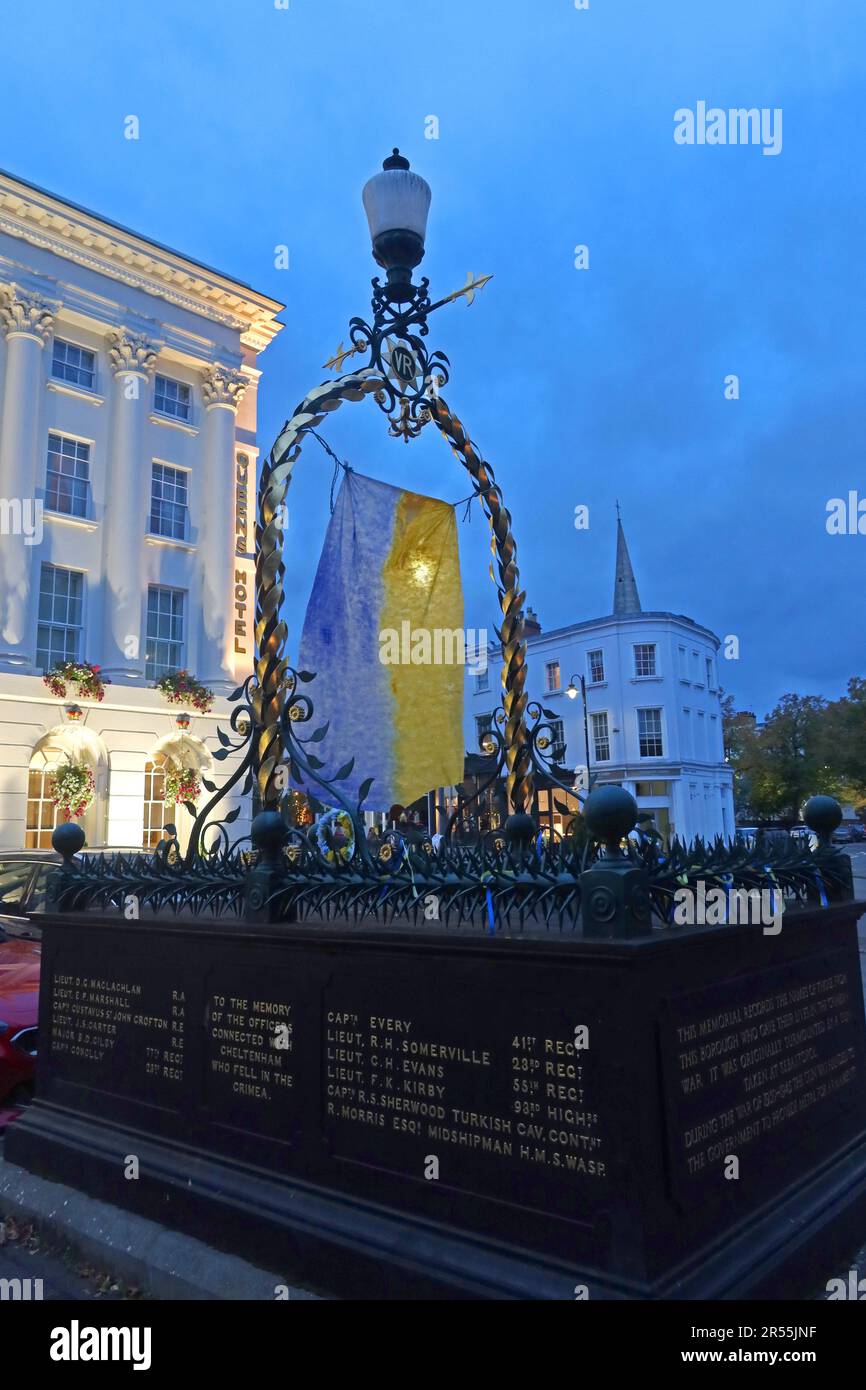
72,788
81,675
181,784
180,688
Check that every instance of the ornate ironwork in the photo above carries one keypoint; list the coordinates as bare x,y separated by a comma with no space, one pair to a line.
511,600
271,633
395,341
492,886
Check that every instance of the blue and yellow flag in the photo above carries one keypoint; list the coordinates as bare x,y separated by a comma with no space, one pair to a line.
384,635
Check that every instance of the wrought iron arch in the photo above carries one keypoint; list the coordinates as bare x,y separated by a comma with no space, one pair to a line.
271,634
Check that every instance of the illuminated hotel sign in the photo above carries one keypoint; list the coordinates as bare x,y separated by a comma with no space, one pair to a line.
241,583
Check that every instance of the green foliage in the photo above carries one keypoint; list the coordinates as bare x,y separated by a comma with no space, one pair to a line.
806,745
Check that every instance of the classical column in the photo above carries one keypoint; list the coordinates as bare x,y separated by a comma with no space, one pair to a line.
222,391
27,322
127,498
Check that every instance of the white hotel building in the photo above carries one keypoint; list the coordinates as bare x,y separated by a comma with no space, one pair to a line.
653,704
128,383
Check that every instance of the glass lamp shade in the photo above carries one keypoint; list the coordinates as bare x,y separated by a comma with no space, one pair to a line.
396,202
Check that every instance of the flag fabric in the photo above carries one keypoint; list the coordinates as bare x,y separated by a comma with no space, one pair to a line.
384,635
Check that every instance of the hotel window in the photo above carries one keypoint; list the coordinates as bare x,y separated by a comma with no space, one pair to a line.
67,483
171,398
711,684
154,803
168,502
595,662
645,659
684,663
600,737
551,676
649,730
61,607
482,681
74,364
164,649
701,744
688,749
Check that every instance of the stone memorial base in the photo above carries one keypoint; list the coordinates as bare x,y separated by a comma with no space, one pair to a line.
397,1114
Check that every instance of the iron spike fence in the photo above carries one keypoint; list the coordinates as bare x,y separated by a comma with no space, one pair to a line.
498,885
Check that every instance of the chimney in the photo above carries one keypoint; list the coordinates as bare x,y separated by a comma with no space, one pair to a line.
531,625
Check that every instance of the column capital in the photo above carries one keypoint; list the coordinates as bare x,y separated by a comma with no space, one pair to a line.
224,387
26,315
131,355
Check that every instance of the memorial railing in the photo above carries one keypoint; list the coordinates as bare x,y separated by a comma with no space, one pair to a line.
495,886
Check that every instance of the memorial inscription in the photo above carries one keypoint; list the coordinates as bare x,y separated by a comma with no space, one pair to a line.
251,1052
120,1028
749,1061
407,1084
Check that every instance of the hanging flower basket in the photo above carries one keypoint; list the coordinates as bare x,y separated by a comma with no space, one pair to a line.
181,784
180,688
84,679
72,788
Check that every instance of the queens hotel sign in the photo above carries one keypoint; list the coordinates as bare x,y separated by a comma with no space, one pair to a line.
244,477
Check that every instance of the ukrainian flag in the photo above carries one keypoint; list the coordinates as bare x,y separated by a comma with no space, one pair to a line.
384,635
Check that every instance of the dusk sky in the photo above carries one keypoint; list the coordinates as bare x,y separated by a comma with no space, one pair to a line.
259,127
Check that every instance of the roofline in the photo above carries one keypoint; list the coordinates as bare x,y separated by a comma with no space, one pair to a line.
264,300
622,620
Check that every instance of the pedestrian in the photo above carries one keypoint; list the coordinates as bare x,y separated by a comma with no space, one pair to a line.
168,846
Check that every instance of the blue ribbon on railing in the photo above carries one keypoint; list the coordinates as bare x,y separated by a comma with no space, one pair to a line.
821,892
726,884
769,872
491,920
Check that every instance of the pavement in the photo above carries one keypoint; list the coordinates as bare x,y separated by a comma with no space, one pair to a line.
56,1276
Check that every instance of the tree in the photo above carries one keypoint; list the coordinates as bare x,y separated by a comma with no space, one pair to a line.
805,746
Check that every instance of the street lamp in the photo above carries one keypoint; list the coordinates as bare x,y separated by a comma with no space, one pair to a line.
571,692
396,202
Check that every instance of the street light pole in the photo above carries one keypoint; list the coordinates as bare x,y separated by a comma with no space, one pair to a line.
571,692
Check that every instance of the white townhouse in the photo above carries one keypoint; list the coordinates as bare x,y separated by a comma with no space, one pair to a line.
653,706
128,384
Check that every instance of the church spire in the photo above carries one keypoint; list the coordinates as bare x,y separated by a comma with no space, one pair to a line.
625,595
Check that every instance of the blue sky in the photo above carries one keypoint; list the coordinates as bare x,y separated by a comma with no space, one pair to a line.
259,127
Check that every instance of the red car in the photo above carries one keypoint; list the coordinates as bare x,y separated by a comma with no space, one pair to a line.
22,895
19,1013
23,889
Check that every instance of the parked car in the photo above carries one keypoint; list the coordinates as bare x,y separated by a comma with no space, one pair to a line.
747,833
19,1016
846,833
23,895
